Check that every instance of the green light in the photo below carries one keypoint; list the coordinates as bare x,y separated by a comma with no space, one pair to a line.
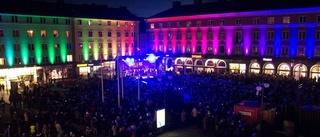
95,51
85,51
63,50
51,51
9,47
24,51
38,49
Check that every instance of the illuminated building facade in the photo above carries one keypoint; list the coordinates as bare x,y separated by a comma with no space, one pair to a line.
239,37
42,42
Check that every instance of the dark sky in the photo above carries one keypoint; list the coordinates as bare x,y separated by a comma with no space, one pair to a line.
141,8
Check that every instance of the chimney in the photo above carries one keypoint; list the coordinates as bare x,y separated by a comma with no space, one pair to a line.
197,2
176,4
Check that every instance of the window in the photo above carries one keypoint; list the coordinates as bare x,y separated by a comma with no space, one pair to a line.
285,35
188,48
189,36
238,37
301,50
30,33
80,57
221,22
2,62
178,35
69,46
1,33
99,22
109,45
221,49
89,22
284,50
100,45
151,36
126,34
238,21
14,19
317,50
30,47
256,21
16,47
69,58
269,50
270,20
109,33
126,24
109,23
199,23
118,24
17,60
68,34
286,19
55,21
210,36
178,49
188,23
178,24
318,35
44,47
302,19
237,49
169,24
0,18
100,34
90,45
255,50
79,33
15,33
45,59
90,33
32,60
221,36
255,35
57,46
199,35
270,35
29,19
198,48
79,22
55,33
160,36
57,59
2,47
43,33
43,20
302,35
209,49
68,21
80,45
160,25
169,36
118,34
210,22
318,18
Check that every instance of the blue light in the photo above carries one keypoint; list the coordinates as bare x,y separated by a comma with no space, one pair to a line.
129,61
152,58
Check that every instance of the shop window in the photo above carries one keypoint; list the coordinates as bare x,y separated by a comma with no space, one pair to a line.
69,58
43,33
2,62
30,33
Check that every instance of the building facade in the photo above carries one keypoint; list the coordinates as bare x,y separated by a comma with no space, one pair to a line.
277,41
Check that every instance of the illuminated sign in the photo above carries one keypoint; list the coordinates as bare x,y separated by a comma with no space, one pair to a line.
196,56
161,118
82,65
267,59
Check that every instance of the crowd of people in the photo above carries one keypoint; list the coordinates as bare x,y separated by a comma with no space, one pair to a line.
75,107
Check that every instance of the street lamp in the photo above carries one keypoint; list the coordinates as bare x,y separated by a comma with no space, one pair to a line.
261,90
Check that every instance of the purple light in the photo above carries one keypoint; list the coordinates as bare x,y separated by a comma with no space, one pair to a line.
152,58
129,61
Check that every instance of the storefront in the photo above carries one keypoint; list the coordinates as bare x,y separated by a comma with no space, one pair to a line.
58,72
237,68
284,69
315,71
254,68
268,68
199,66
300,70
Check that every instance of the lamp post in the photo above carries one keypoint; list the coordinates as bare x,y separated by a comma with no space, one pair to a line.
261,90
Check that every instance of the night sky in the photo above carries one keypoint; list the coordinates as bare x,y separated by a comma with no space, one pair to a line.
141,8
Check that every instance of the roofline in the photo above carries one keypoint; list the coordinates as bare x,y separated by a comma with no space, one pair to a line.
237,14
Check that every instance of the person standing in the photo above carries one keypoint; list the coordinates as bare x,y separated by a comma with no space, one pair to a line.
183,118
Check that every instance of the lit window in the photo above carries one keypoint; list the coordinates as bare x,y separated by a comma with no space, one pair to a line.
302,19
69,58
57,46
89,22
100,45
188,23
55,33
256,21
118,24
43,33
79,22
126,24
286,19
30,33
90,45
1,33
109,23
152,26
2,61
68,34
270,20
80,45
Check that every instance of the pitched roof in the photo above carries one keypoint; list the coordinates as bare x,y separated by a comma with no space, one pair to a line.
65,10
235,6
